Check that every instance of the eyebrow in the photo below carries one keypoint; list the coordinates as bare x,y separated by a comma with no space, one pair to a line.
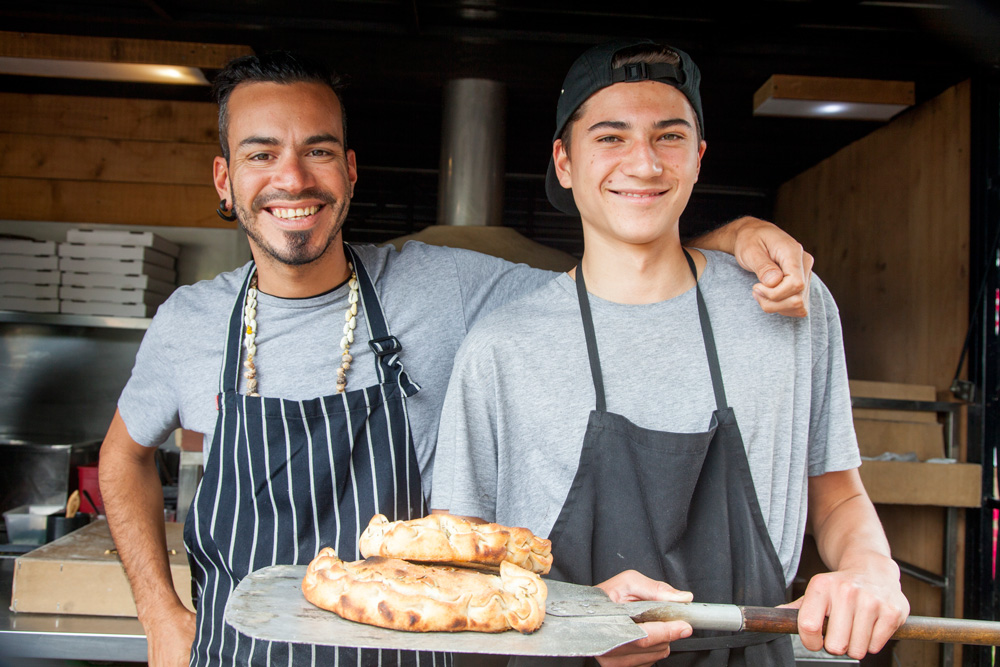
625,125
272,141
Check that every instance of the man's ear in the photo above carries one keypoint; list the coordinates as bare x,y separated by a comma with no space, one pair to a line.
560,158
352,170
701,153
220,176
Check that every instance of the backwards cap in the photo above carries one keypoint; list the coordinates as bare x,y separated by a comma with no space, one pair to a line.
592,71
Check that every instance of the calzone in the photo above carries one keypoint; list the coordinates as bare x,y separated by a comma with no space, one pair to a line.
399,595
446,539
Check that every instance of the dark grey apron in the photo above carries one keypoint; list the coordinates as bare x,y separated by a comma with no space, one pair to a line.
285,478
678,507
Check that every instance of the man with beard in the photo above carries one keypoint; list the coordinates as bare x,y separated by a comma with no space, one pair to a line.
293,367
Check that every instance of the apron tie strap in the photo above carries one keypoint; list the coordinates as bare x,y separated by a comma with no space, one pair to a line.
709,338
588,330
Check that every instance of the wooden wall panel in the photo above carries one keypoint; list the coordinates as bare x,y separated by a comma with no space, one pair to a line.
119,161
86,159
110,118
115,203
888,221
118,50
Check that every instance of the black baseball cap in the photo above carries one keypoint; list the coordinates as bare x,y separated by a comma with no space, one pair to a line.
592,71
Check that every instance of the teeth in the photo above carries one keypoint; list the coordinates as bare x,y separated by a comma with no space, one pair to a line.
288,213
636,195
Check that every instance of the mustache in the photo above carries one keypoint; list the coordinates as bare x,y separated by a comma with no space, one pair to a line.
262,200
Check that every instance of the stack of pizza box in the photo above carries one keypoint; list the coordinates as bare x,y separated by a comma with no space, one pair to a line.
117,273
29,275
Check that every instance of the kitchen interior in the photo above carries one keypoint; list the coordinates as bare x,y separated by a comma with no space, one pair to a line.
449,109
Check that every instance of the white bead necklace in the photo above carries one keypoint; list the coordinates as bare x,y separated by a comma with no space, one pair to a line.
250,333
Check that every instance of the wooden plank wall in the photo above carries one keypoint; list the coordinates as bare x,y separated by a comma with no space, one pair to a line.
888,221
108,160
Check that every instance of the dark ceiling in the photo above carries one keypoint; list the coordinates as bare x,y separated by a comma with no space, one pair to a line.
398,55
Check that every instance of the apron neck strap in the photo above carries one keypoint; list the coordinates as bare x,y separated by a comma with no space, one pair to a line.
230,378
706,334
708,338
385,346
588,332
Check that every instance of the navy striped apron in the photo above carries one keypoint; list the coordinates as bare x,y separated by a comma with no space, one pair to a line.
285,478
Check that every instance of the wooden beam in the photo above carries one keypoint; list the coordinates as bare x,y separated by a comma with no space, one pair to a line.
110,118
118,50
113,203
870,91
107,160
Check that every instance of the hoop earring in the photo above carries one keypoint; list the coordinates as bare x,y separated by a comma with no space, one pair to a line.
226,214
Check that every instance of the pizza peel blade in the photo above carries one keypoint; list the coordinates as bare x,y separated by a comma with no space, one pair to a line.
268,604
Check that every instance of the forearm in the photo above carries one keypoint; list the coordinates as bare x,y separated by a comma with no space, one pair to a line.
133,499
847,529
721,238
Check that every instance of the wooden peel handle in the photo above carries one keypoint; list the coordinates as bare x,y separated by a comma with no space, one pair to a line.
944,630
785,621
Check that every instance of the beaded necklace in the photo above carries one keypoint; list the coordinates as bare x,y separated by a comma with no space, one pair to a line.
250,332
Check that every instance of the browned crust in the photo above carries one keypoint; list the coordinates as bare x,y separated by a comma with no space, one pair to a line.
395,594
442,538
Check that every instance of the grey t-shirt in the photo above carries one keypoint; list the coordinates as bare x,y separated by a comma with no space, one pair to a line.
430,296
521,393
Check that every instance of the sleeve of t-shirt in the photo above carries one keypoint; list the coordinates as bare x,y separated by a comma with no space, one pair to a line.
487,282
149,405
465,463
833,444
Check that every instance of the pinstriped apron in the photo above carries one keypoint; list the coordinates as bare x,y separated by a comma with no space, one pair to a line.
285,478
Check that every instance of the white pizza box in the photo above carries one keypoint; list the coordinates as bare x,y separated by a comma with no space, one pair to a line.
122,238
29,291
38,263
28,247
120,267
139,253
105,308
119,281
111,295
30,276
29,305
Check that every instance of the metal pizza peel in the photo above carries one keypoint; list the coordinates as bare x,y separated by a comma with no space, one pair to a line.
268,604
579,621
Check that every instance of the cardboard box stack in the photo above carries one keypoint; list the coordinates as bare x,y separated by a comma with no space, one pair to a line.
29,275
118,273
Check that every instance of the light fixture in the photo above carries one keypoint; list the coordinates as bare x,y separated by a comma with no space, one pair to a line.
831,97
112,59
82,69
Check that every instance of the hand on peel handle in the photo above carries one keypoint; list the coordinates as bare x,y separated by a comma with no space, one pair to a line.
170,639
862,609
782,266
630,586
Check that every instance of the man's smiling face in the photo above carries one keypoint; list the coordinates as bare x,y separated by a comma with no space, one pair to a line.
633,161
289,172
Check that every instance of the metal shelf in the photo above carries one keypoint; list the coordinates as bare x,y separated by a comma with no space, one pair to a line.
60,319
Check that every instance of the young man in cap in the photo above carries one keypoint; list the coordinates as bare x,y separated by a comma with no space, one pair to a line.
601,411
293,367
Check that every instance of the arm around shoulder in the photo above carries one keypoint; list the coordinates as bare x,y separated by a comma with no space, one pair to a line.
781,265
133,499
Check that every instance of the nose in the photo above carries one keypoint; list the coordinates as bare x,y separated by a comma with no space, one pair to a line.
292,175
643,161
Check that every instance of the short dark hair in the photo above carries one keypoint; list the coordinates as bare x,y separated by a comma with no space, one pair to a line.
648,54
273,67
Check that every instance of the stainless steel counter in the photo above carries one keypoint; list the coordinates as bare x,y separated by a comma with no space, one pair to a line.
65,636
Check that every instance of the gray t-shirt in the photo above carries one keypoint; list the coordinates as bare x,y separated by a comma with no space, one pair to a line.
521,393
430,296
